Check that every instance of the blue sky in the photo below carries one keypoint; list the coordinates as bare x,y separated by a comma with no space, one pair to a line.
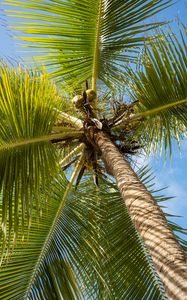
173,175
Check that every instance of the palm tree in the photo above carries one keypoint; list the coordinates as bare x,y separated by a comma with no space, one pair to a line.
65,242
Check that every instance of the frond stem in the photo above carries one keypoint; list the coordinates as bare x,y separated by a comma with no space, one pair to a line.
148,113
96,49
39,139
72,153
77,123
158,109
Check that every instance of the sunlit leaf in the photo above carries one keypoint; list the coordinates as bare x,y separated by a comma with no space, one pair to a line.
160,88
79,40
27,158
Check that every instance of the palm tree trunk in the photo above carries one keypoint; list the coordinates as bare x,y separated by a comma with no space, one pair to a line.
168,257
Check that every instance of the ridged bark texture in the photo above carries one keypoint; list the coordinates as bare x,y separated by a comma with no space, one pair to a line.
168,257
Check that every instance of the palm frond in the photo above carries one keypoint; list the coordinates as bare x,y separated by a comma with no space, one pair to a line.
68,119
27,158
86,39
93,252
71,154
52,262
67,134
161,91
125,263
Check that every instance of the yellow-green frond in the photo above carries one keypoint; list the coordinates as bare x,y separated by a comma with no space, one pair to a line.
92,251
57,256
79,40
27,158
160,88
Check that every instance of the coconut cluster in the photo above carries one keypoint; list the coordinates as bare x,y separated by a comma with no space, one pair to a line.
78,100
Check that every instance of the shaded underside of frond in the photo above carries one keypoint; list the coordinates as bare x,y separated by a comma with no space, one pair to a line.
81,39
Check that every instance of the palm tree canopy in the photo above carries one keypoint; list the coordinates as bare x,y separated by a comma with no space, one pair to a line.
53,236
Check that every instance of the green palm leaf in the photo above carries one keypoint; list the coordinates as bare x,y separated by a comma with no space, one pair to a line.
161,91
92,226
86,39
93,251
27,158
50,259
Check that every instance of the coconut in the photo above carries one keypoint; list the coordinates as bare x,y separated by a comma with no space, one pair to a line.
78,101
91,95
